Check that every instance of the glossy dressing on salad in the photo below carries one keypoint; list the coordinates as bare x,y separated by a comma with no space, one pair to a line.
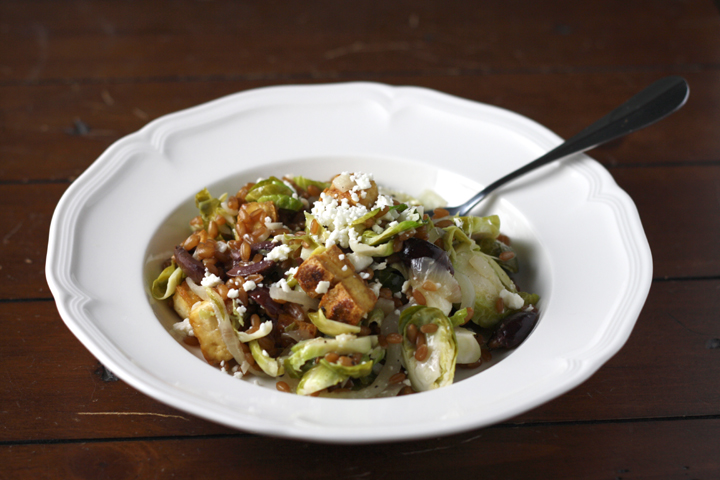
341,289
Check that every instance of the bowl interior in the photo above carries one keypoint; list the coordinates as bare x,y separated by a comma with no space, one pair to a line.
396,174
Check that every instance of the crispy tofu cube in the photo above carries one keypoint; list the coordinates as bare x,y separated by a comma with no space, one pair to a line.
206,329
341,189
323,267
184,299
348,301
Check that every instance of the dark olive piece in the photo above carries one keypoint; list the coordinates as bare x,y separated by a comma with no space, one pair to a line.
191,266
415,248
513,329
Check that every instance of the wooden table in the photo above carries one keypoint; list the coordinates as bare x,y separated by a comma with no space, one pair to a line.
75,76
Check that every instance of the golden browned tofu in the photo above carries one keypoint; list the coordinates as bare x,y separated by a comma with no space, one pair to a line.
205,327
323,267
184,299
341,189
348,301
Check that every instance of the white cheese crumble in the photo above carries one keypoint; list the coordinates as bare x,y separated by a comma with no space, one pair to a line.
283,284
233,293
511,300
184,328
322,287
210,280
249,286
362,180
279,253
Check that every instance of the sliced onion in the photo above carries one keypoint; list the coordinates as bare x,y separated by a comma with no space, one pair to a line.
294,296
230,338
467,289
197,289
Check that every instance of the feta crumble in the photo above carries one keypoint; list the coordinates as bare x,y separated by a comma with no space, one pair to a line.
322,287
184,328
210,280
279,253
511,300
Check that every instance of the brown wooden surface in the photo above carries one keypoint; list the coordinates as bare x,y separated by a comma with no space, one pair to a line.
76,76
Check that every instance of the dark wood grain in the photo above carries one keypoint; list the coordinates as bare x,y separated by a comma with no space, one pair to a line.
53,388
54,132
92,41
668,450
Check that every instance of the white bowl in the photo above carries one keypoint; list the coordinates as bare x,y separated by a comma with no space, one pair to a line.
579,238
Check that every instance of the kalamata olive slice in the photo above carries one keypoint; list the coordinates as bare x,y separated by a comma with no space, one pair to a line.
250,268
415,248
262,296
191,266
514,329
262,247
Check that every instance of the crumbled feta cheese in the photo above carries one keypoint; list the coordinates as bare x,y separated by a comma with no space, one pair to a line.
511,300
377,229
249,286
322,287
210,280
233,293
341,256
337,218
375,287
184,328
362,180
279,253
344,268
364,275
291,271
221,246
379,266
406,287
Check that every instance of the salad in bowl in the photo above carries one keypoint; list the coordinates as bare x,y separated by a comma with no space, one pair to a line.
342,289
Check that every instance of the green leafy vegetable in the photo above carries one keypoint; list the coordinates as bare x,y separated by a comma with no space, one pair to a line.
267,364
318,378
331,327
438,369
306,350
165,284
304,183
